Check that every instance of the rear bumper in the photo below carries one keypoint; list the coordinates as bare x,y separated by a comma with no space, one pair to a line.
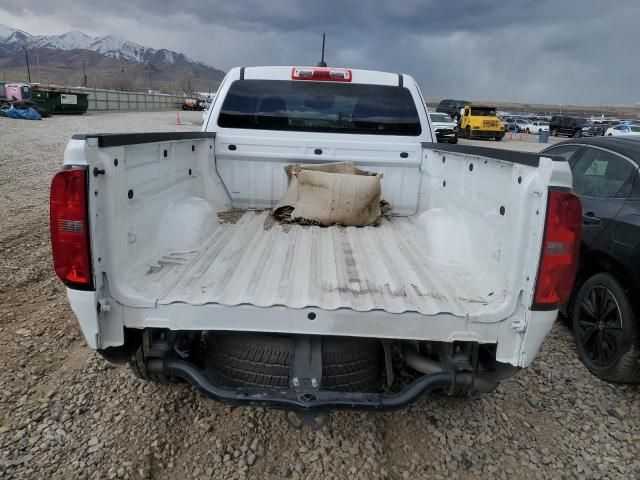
312,399
487,133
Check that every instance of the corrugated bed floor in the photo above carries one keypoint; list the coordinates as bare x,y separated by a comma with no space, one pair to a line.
257,262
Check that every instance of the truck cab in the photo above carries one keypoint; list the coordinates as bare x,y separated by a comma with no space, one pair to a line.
481,121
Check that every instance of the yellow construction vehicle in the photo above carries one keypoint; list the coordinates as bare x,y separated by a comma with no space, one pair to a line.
481,121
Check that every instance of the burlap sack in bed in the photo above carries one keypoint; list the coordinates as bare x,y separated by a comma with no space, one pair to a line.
331,194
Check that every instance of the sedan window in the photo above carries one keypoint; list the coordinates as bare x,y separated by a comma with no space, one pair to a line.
602,174
566,151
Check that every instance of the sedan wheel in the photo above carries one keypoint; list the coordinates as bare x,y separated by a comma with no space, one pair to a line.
606,330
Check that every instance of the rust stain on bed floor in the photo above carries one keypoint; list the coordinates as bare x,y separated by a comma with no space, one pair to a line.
231,216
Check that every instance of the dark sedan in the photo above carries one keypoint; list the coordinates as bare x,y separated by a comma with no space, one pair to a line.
574,127
604,308
590,129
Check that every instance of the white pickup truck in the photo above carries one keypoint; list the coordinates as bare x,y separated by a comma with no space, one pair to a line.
174,263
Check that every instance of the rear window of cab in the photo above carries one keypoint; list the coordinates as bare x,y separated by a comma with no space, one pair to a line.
309,106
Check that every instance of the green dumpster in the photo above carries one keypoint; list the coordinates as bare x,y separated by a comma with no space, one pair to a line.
60,101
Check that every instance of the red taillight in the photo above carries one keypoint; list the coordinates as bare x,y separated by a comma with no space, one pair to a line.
321,74
560,247
69,229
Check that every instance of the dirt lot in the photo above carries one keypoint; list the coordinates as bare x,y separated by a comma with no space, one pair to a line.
66,413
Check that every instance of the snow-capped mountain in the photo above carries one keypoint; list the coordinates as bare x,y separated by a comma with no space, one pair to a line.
13,39
121,48
67,41
108,61
12,35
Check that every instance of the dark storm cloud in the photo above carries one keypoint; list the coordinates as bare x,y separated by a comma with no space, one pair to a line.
578,51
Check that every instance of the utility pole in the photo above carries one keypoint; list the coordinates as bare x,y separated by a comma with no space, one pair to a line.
84,72
39,74
122,77
26,54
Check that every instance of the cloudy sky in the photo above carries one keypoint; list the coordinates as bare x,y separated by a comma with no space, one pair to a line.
551,51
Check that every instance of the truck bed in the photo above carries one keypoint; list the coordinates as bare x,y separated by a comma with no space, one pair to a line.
250,259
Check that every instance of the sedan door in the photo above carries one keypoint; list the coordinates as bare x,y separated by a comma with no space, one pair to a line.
603,181
625,234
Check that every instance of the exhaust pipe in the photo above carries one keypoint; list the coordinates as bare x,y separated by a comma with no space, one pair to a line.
485,382
420,363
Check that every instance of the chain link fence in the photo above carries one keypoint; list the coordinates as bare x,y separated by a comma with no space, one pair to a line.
102,99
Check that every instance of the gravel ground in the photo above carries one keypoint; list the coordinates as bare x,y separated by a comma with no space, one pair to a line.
66,413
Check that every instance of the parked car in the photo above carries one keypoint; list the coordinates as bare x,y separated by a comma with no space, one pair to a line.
573,127
591,129
190,104
516,125
623,130
536,126
605,125
446,129
452,108
510,124
185,273
604,308
521,124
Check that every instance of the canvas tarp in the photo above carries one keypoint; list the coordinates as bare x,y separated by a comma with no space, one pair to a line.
331,194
